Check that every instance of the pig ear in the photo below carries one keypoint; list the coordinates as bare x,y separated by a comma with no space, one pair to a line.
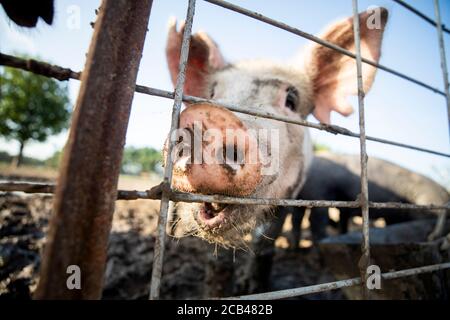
204,57
333,74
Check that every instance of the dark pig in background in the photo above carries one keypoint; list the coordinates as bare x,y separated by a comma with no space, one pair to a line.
337,177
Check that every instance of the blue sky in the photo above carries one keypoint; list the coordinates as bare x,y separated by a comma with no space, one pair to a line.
395,109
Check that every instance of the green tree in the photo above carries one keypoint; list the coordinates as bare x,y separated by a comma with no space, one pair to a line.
136,160
54,160
32,107
318,147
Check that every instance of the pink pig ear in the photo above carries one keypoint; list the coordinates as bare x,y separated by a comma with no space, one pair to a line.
204,57
333,74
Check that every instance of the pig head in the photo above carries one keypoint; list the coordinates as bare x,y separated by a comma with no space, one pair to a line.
263,158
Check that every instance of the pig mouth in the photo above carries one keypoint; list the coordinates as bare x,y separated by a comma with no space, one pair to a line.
225,225
213,215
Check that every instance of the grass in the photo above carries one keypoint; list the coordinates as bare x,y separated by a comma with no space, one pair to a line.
27,172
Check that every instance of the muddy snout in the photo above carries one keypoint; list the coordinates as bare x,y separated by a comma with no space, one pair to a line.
214,153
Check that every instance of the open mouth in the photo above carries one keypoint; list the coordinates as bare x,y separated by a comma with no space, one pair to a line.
212,214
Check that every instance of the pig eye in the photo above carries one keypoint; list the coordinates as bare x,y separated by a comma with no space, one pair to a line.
291,98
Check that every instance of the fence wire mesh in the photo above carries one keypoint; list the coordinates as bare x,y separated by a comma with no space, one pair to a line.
165,193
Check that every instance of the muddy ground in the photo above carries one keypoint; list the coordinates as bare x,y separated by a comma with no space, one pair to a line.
23,226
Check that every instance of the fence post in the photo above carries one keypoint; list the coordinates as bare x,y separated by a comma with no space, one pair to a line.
443,58
87,184
364,195
160,243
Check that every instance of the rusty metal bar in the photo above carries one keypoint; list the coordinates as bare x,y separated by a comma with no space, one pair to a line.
422,15
296,292
164,207
27,187
39,67
155,194
437,12
334,129
281,25
364,262
87,185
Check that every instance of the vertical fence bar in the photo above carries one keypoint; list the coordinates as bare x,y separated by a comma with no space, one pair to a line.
440,34
87,184
164,207
364,196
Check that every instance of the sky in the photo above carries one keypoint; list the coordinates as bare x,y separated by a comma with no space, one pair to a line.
395,109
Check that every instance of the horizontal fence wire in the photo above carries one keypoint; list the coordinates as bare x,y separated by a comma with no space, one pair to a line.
33,188
281,25
39,67
296,292
155,192
61,73
422,15
330,128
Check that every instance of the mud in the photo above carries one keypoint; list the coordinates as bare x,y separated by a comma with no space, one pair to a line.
23,226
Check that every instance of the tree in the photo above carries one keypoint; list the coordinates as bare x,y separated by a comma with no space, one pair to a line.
137,160
319,147
32,107
54,160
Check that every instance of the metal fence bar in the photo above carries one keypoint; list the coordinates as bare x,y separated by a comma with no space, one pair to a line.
164,192
443,58
33,188
334,129
190,197
322,42
422,15
296,292
364,262
83,207
39,67
178,98
155,194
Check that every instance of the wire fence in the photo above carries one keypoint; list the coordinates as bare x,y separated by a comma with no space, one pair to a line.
62,73
155,193
165,193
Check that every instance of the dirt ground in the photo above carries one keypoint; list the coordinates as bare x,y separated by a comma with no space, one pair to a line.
23,226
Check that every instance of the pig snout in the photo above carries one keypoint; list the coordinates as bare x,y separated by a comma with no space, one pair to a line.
222,155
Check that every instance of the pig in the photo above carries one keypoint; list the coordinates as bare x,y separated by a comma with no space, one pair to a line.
337,177
321,83
27,13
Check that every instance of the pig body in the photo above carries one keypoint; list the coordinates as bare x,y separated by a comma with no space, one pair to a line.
337,177
318,85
